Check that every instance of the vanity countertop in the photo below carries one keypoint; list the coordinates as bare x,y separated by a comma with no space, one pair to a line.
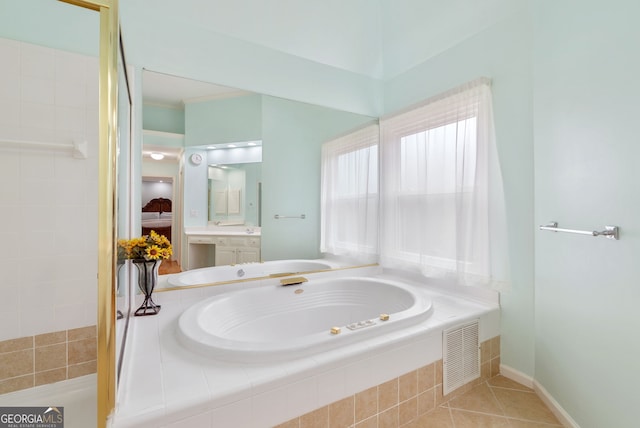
223,230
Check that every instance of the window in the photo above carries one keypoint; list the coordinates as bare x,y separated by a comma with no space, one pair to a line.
438,170
349,224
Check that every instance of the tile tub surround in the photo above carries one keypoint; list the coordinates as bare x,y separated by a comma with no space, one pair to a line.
400,401
165,385
47,358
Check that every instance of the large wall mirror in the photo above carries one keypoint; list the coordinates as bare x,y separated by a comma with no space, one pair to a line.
245,161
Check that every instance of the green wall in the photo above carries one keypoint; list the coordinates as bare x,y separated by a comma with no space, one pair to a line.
51,23
586,107
164,119
224,120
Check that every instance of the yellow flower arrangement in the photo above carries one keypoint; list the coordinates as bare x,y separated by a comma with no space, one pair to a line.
149,247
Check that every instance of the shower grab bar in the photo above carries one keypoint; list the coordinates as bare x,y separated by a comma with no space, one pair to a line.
609,232
278,216
79,149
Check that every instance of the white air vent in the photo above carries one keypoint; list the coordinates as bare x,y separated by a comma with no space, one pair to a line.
461,359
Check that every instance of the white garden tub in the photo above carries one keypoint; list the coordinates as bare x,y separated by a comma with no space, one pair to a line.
214,274
277,323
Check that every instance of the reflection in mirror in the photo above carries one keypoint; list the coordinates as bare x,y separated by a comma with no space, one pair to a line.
238,210
234,192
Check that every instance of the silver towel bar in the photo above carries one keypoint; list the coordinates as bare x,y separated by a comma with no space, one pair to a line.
610,232
278,216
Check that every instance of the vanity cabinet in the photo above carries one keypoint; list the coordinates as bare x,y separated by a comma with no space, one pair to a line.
219,250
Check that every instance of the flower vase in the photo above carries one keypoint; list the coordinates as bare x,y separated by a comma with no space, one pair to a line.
147,281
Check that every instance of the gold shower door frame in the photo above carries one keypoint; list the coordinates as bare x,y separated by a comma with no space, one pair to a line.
108,131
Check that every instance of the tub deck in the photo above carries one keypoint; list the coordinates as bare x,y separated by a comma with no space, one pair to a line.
164,383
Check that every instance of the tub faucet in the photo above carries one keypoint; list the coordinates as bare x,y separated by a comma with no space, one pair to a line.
293,281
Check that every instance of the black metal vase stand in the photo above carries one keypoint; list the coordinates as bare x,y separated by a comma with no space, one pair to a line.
147,281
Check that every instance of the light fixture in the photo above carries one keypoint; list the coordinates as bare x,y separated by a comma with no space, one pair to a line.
157,156
231,146
251,143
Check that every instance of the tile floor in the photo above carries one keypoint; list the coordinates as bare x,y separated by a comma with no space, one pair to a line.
496,403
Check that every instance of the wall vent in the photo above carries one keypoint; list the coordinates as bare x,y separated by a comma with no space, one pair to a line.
461,359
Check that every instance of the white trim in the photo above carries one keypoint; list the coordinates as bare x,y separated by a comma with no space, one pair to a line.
162,133
214,97
526,380
516,376
561,414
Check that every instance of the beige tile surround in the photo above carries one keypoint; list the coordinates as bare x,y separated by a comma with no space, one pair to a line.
401,401
47,358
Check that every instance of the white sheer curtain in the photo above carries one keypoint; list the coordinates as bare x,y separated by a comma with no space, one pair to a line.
442,208
349,195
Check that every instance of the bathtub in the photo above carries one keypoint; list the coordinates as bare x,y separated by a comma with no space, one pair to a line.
246,271
277,323
78,396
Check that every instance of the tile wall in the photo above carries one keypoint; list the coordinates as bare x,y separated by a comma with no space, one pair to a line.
47,358
48,199
401,400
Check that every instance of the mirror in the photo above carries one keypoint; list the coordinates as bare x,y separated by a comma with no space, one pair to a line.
234,194
282,201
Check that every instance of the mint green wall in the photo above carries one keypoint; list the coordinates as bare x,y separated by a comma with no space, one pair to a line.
502,52
183,49
51,23
292,135
587,64
164,119
253,177
224,120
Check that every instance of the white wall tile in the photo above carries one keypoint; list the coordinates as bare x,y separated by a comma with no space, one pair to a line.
37,61
71,67
67,316
9,87
38,116
70,94
51,192
9,324
36,318
70,119
10,114
37,90
10,54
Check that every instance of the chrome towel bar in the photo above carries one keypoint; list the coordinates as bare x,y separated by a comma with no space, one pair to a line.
610,232
278,216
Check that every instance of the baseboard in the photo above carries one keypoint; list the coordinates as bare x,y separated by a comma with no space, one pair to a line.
526,380
516,376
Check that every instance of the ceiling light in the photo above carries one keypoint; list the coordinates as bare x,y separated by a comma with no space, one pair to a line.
231,146
251,143
157,156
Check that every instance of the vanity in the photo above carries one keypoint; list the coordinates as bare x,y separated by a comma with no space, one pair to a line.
218,246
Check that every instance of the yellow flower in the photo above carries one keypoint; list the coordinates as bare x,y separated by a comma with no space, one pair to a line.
151,247
153,252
